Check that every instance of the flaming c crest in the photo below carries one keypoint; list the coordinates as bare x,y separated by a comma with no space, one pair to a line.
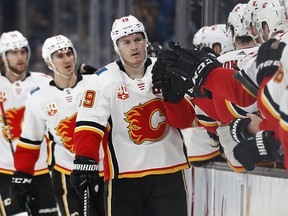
65,130
147,122
14,120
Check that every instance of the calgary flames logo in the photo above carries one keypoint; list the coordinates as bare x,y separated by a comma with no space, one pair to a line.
147,122
65,129
14,120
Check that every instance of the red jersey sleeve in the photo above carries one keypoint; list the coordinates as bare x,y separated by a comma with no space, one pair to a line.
180,115
220,81
25,159
87,143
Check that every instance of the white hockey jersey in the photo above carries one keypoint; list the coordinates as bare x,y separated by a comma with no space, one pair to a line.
274,90
14,96
52,111
141,142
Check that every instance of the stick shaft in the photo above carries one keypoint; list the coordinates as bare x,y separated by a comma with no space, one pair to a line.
4,117
245,83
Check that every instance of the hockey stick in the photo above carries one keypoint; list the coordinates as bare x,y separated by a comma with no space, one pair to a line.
4,117
2,208
85,202
251,88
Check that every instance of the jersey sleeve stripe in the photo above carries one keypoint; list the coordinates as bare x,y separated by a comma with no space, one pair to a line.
269,104
28,146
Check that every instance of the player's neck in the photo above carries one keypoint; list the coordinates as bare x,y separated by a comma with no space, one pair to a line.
63,83
134,73
13,77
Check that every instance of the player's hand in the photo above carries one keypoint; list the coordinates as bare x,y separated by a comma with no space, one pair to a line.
173,86
238,129
191,63
169,91
256,149
268,58
20,189
158,73
86,69
85,174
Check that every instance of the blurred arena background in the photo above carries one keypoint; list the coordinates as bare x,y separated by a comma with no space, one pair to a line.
88,22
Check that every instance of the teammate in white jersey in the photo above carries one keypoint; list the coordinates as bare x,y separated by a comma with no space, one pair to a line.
144,158
16,83
52,111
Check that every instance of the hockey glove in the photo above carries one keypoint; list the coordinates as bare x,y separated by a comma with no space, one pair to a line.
238,129
255,149
20,189
190,63
170,93
86,69
173,87
268,58
210,52
85,175
158,73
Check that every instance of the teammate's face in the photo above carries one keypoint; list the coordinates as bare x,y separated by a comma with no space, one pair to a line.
64,61
17,60
133,49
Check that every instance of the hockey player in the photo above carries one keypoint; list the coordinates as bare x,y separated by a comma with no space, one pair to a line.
271,22
52,111
16,83
206,71
145,158
199,149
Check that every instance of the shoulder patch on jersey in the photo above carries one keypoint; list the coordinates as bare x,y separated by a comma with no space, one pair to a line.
98,72
34,90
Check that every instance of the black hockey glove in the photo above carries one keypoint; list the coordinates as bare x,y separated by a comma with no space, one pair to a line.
173,87
169,91
211,53
85,175
238,129
158,73
86,69
255,149
20,189
190,63
268,58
